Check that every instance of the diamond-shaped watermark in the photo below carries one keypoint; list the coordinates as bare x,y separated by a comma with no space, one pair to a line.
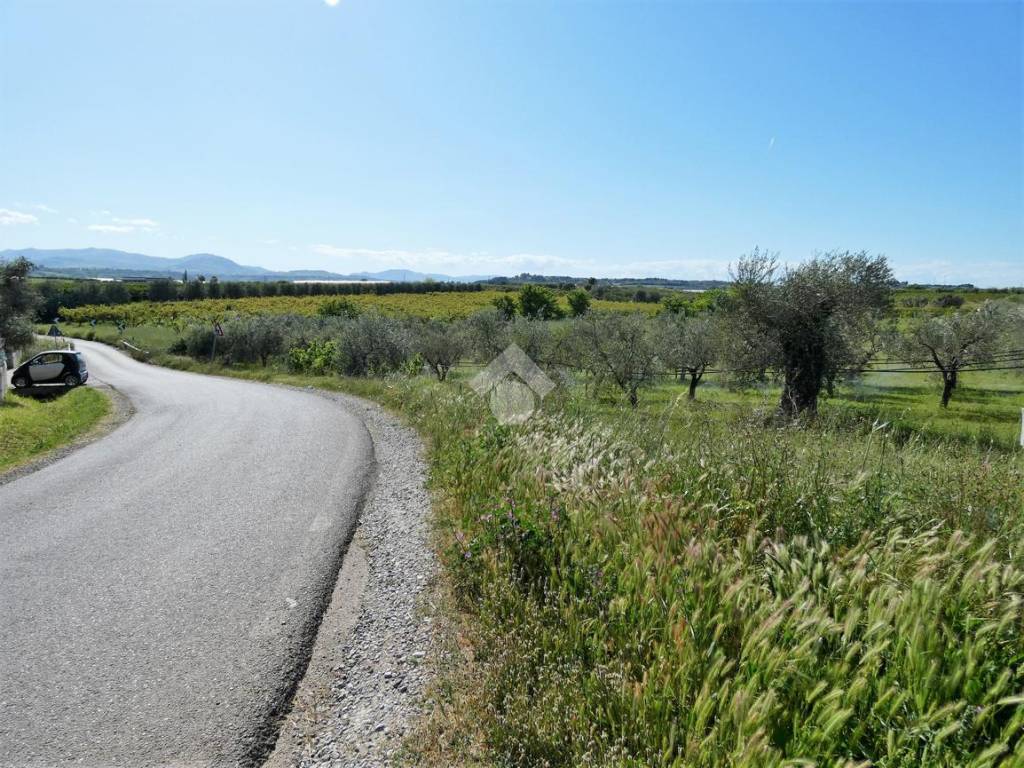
513,384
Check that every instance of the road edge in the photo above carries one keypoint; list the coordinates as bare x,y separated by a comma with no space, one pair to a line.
364,688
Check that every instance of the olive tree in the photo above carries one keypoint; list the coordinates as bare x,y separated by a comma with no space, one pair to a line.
619,348
955,341
372,344
486,334
440,344
255,339
688,346
535,338
18,300
810,323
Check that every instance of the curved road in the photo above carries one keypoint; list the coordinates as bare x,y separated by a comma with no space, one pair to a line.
159,588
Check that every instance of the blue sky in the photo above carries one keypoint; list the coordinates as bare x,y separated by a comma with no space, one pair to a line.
583,138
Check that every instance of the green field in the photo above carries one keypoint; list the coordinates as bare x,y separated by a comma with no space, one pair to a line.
441,305
30,427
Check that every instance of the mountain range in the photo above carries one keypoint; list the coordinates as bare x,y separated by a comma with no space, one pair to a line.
106,262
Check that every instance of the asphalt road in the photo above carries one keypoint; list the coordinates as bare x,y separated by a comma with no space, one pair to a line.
160,588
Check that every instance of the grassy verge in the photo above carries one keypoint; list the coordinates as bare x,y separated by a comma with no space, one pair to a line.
664,588
694,585
30,428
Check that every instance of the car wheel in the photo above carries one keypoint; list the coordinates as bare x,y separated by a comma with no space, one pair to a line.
20,383
71,380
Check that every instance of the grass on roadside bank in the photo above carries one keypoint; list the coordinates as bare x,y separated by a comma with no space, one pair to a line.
698,592
30,427
697,586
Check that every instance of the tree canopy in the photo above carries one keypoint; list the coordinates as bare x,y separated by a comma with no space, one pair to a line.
810,323
18,300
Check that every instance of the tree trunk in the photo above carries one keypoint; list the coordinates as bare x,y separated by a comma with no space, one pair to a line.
634,398
804,360
694,381
800,394
3,374
948,385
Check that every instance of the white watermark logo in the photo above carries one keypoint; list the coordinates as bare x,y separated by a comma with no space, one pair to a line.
513,384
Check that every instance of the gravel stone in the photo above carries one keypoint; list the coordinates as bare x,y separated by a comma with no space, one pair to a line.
373,693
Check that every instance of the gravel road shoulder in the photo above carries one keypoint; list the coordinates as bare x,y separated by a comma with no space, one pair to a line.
363,691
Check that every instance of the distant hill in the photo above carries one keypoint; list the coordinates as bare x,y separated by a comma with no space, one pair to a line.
106,262
105,258
110,263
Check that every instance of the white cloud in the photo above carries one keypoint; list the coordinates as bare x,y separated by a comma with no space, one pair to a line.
771,143
9,218
45,208
72,220
332,3
345,259
119,228
121,225
139,223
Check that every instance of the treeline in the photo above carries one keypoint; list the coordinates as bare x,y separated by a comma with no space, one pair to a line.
566,280
69,294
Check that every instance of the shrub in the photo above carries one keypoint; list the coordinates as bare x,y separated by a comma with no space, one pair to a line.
948,300
338,307
372,344
316,358
506,306
538,303
197,341
254,339
579,302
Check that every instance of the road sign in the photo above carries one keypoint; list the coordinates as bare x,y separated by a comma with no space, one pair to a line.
54,332
217,329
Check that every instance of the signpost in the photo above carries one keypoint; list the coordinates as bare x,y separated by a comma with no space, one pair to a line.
55,333
217,331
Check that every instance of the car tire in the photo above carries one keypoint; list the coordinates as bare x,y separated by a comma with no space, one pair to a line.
71,381
20,383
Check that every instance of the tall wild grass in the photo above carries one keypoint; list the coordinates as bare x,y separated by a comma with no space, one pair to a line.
666,589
